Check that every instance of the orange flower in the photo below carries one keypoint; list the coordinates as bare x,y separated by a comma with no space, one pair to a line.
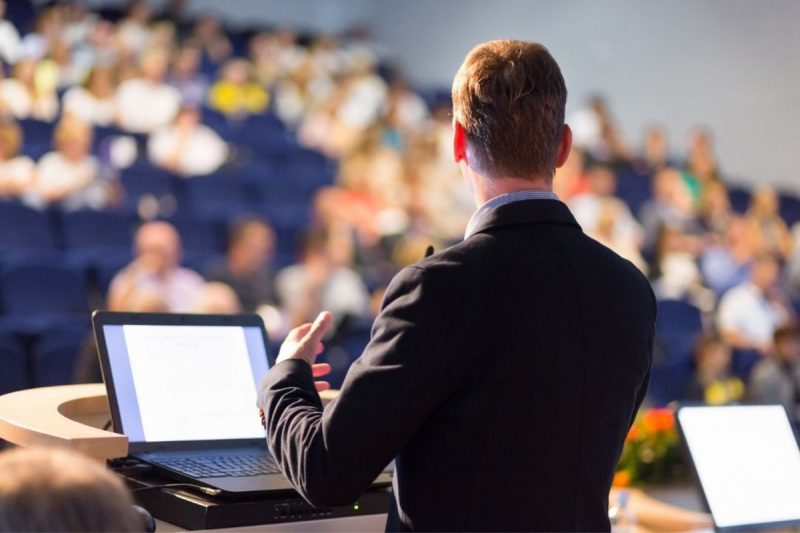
621,479
633,434
658,420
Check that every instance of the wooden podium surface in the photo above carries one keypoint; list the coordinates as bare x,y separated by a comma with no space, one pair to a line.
72,416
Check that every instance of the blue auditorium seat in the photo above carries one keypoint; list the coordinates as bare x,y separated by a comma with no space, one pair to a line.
203,240
55,352
790,208
37,137
143,179
217,196
634,189
678,327
14,374
96,232
217,122
739,198
38,287
25,232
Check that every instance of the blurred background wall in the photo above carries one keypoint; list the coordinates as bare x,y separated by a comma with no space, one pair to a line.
733,66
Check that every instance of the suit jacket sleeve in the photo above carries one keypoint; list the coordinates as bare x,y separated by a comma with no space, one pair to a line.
408,369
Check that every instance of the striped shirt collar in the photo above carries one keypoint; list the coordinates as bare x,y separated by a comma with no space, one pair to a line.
503,199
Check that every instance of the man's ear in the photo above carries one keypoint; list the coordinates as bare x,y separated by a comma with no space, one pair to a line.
564,146
459,142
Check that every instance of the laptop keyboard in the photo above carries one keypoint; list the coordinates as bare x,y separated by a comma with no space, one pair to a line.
221,465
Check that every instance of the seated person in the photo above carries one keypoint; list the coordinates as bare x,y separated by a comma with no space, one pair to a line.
147,102
749,313
713,383
53,489
776,378
156,270
94,102
24,95
236,94
16,171
767,229
322,279
186,146
246,265
69,175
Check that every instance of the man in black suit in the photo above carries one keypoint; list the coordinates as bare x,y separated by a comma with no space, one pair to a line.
503,373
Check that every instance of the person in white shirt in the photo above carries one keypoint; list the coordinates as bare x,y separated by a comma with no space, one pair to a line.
147,103
95,101
16,172
749,313
69,171
10,42
186,146
26,96
156,270
587,208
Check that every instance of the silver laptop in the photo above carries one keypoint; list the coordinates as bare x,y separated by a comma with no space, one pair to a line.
183,389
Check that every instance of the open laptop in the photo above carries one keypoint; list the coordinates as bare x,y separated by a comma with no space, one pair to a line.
747,462
183,389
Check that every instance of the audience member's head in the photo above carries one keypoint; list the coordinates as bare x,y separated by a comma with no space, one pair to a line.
764,203
154,65
10,139
101,82
509,98
602,180
158,247
73,139
765,270
218,299
251,244
712,357
57,490
787,344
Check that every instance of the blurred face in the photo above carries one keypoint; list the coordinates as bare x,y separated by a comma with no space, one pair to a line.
187,61
187,119
75,148
154,67
765,273
765,201
788,349
715,359
255,246
102,85
158,247
602,181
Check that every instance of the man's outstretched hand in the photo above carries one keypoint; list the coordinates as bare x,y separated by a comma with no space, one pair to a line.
305,343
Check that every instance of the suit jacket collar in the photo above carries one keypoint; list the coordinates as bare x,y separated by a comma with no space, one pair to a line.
526,212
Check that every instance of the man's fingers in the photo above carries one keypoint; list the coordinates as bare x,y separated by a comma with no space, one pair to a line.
322,385
319,328
320,369
320,348
299,332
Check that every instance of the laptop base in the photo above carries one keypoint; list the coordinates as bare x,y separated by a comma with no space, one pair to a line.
192,511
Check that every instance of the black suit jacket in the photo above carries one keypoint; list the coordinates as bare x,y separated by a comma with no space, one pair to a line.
503,374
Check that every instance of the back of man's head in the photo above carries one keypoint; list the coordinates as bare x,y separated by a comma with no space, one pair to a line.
509,97
59,490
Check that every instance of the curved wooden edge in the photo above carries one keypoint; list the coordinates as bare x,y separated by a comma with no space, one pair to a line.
57,416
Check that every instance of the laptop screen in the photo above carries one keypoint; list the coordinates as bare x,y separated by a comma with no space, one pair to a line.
747,461
186,382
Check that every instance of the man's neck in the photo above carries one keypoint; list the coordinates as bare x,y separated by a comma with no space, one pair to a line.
487,188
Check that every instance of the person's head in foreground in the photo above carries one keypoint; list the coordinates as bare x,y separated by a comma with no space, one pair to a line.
43,489
508,111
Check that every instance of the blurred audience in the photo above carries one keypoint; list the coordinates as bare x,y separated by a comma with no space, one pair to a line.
156,272
26,95
17,173
69,175
236,93
768,231
147,103
186,146
713,382
246,265
750,313
95,101
323,279
776,379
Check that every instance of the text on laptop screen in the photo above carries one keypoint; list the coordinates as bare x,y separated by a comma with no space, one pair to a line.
747,460
187,383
